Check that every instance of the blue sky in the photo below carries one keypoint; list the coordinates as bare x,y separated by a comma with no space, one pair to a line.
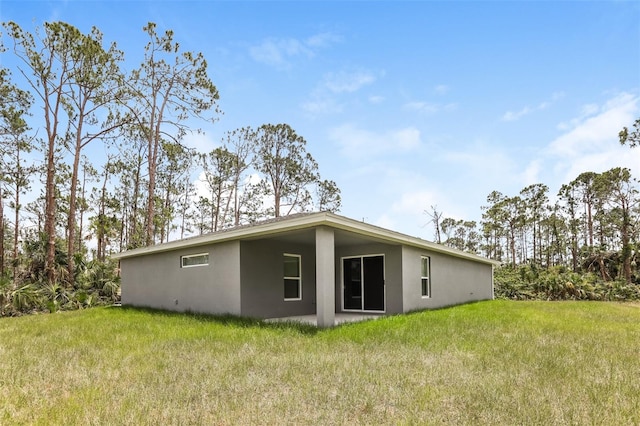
406,104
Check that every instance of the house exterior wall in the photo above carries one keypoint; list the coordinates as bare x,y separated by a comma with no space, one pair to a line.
453,280
262,279
158,281
392,271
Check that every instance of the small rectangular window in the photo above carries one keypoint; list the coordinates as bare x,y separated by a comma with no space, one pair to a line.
292,277
426,276
200,259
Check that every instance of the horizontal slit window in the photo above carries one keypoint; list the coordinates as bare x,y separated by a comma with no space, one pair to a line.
200,259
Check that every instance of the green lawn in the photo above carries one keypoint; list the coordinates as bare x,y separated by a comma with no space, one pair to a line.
495,362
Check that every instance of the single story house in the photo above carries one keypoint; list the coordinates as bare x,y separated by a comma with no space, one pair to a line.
304,264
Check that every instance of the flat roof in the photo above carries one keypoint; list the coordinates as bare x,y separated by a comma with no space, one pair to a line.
276,226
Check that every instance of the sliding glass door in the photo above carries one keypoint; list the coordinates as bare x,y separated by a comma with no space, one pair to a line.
363,283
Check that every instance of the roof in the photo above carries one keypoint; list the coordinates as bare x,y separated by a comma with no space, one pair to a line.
302,221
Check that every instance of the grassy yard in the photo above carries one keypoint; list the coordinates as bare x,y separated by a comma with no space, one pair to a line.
495,362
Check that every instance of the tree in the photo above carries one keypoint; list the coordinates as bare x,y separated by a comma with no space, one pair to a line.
239,143
288,169
492,225
14,104
618,183
49,66
535,200
176,164
219,174
94,87
436,217
632,138
169,88
568,194
328,196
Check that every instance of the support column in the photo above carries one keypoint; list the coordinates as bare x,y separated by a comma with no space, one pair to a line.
325,277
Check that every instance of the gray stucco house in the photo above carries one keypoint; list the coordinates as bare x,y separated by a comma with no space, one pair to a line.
307,264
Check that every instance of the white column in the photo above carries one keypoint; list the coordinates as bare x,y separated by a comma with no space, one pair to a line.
325,277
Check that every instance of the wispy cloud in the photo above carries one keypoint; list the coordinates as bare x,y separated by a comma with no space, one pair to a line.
358,143
526,110
590,141
322,106
323,39
597,127
429,107
441,89
326,97
280,52
348,82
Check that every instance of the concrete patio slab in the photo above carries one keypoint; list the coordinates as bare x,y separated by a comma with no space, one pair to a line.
340,318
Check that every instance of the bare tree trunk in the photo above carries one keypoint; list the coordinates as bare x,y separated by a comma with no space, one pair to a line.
71,220
153,158
50,212
1,235
81,220
16,218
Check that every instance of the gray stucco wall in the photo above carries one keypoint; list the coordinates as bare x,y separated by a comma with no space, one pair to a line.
392,271
453,280
158,281
262,285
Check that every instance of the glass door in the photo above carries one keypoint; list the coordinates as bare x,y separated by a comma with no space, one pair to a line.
363,283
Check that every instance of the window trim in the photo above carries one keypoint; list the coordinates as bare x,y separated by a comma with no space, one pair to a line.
188,256
298,278
425,277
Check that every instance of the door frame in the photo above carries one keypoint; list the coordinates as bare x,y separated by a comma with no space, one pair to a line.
384,283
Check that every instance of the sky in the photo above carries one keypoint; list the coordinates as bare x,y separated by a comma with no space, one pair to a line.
405,105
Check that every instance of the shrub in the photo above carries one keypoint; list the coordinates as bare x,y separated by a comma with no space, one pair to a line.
527,282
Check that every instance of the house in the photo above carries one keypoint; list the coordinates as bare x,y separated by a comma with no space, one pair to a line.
306,264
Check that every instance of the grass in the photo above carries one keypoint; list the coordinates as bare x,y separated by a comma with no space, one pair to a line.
495,362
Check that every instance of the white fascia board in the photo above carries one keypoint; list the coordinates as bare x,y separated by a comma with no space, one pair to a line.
304,222
251,231
379,233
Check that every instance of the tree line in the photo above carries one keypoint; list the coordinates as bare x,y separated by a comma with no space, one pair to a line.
68,97
590,228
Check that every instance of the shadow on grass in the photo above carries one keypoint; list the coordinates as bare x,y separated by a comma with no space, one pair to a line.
226,319
247,322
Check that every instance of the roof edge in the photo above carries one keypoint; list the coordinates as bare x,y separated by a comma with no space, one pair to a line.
303,222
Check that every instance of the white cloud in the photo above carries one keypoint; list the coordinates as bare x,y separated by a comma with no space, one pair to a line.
526,110
530,175
323,39
348,82
418,201
320,106
201,142
376,99
513,116
278,52
590,140
325,98
357,143
441,89
596,130
428,107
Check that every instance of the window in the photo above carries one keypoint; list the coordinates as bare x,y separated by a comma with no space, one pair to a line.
426,276
201,259
292,277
